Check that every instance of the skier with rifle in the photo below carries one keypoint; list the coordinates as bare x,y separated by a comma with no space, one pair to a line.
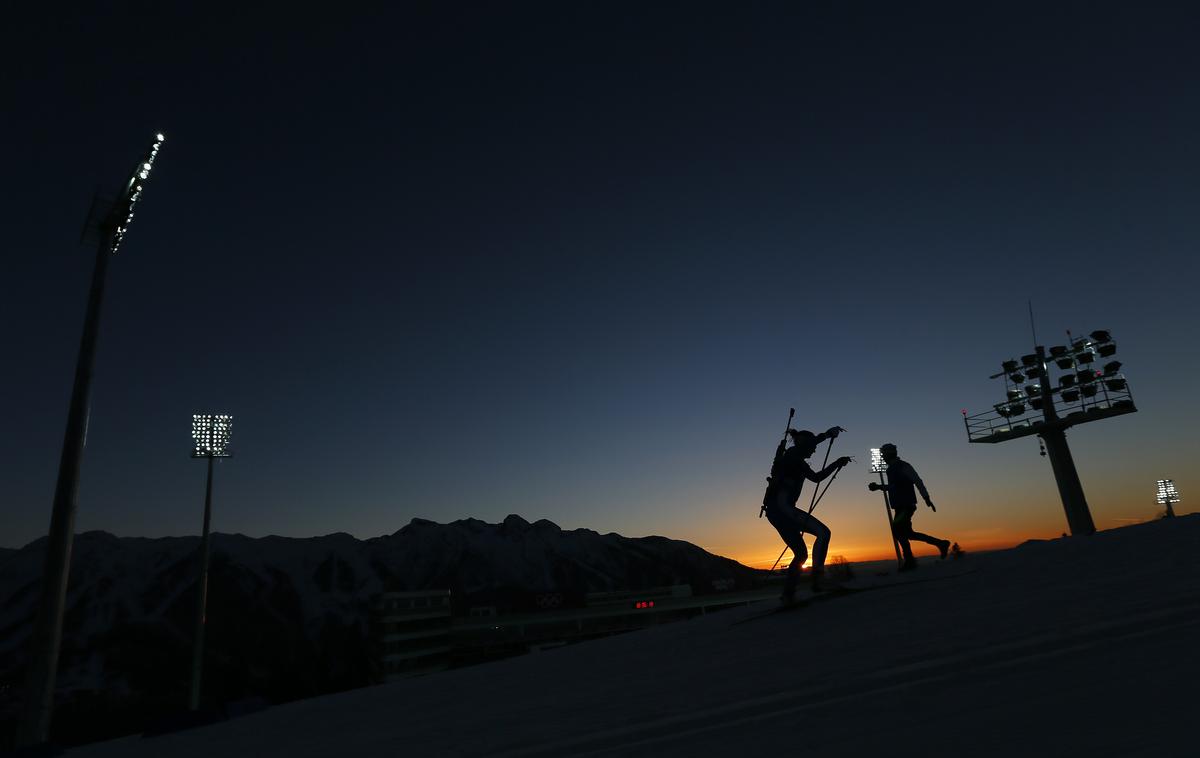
902,483
788,473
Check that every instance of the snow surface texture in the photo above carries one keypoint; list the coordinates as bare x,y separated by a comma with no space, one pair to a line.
1069,647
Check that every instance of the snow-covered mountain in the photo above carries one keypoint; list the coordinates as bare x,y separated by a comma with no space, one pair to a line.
1082,646
290,618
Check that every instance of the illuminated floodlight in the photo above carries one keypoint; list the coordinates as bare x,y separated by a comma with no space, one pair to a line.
1167,494
211,435
878,465
131,195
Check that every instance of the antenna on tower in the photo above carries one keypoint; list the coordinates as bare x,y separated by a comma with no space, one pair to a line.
1031,327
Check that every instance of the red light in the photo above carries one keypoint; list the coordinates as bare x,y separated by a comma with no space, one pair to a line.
651,603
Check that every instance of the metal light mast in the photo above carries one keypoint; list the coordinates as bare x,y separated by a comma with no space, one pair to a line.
1167,495
1083,393
211,434
878,466
47,632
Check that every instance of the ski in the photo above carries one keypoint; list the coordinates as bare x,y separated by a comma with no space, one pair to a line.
844,590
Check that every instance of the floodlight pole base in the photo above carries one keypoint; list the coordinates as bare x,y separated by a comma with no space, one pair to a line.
1079,518
202,595
887,506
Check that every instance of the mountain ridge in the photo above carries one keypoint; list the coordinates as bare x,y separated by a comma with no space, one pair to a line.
292,617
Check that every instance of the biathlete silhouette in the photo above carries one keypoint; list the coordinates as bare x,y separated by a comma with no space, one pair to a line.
902,481
788,472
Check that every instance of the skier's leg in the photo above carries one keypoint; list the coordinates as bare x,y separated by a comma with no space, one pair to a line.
799,555
820,547
793,535
943,546
813,526
902,529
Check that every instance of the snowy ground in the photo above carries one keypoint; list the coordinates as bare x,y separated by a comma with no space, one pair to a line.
1071,647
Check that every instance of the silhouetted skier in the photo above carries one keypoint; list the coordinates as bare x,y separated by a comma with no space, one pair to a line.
902,479
788,473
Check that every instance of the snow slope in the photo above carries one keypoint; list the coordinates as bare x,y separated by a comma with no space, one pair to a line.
1067,647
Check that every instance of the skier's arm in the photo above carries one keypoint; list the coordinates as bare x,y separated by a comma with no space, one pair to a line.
916,479
825,472
829,434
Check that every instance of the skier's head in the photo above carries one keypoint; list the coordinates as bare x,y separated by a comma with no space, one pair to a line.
805,440
888,452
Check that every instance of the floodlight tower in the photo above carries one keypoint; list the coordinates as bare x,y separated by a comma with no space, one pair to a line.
110,226
1167,495
1082,394
878,466
211,435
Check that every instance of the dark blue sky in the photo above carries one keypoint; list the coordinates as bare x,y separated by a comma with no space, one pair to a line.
575,261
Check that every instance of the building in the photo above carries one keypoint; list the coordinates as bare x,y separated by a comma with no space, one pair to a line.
414,632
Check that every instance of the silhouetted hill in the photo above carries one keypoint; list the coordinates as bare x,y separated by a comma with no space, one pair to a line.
287,617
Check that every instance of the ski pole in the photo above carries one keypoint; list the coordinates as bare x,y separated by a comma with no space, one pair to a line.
777,560
817,500
887,506
824,463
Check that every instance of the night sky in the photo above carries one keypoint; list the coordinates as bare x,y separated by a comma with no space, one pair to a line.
575,261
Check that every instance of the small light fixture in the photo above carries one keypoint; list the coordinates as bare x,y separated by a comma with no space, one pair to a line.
211,435
878,465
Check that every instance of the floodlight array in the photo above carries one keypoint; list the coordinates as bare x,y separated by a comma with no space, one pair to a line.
1080,383
1081,391
211,435
877,463
1167,494
133,192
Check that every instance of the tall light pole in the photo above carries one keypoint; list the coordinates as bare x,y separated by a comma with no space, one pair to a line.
1082,394
1167,495
211,435
47,631
878,466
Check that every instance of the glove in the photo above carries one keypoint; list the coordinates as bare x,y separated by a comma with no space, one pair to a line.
931,506
833,431
873,486
843,461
